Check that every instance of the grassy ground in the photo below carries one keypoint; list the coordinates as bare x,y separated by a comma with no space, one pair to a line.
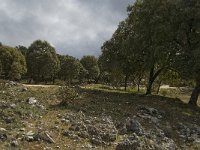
93,101
176,93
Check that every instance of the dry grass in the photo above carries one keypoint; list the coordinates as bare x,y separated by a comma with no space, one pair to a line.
93,101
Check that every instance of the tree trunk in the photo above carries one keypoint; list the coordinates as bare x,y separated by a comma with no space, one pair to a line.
150,82
53,80
138,84
194,96
97,80
149,87
125,82
138,87
30,79
159,84
152,78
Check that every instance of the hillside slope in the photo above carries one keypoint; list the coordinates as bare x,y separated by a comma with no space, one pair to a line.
32,118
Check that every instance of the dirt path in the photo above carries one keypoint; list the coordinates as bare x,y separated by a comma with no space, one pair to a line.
39,85
167,87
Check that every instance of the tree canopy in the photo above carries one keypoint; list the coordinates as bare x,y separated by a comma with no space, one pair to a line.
156,37
187,27
90,63
42,61
12,62
70,68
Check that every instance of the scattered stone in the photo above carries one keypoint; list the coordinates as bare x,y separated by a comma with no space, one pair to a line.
3,134
59,115
127,145
13,105
57,147
29,136
150,111
14,143
3,130
32,101
9,120
12,83
188,133
63,120
22,129
40,106
66,121
48,148
96,140
132,125
24,89
99,131
45,137
56,128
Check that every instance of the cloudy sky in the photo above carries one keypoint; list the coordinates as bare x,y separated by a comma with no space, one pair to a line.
74,27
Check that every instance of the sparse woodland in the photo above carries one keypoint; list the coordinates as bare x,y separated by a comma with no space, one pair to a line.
157,42
142,92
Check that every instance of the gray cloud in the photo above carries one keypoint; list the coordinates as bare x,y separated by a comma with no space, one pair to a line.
74,27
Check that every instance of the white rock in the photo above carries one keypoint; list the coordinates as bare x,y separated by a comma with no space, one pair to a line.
12,105
32,101
3,130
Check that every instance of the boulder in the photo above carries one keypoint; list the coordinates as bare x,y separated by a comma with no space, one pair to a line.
14,143
132,125
32,100
3,134
128,145
45,137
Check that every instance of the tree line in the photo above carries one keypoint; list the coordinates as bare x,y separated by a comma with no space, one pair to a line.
40,63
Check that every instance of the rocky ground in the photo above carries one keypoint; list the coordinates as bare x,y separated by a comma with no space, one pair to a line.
31,118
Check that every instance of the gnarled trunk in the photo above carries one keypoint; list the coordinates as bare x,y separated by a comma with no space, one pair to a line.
138,87
194,96
158,89
125,82
152,78
150,82
149,87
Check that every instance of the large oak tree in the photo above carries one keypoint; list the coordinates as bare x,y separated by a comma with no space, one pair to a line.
42,61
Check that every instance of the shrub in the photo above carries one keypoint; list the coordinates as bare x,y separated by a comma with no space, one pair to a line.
66,94
2,85
164,92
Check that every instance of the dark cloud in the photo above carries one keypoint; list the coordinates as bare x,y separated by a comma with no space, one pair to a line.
75,27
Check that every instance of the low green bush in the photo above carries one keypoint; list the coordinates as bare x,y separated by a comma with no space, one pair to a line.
66,94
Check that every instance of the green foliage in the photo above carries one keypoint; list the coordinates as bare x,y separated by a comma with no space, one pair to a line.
42,61
16,68
82,74
22,49
186,24
70,68
159,37
1,68
66,94
12,63
2,85
143,44
90,63
188,39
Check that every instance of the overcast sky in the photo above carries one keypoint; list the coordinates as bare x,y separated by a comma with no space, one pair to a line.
74,27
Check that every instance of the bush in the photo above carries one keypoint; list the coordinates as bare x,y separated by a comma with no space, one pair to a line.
3,85
66,94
